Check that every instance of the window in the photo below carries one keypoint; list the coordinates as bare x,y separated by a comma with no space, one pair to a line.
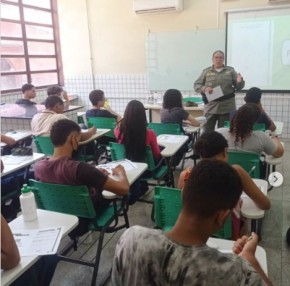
30,46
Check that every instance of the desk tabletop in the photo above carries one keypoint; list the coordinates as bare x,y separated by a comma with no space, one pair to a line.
224,245
171,143
17,135
45,219
249,209
22,111
159,107
132,176
15,163
100,132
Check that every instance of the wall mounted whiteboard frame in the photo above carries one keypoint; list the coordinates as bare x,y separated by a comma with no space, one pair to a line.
176,59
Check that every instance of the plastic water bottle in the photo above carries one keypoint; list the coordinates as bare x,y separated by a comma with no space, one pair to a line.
28,205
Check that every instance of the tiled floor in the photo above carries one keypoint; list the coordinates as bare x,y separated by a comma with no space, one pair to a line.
275,224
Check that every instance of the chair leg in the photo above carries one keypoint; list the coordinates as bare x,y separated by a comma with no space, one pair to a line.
126,219
98,257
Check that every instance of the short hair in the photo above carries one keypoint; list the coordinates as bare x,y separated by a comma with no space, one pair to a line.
210,144
172,98
212,185
27,87
52,101
54,90
60,131
253,95
218,51
96,96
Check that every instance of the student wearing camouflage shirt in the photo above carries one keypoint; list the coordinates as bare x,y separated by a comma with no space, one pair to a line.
181,257
217,111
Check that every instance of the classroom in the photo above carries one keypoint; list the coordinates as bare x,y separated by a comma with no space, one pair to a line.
107,45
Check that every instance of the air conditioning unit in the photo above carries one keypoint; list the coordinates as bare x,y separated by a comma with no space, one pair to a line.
157,6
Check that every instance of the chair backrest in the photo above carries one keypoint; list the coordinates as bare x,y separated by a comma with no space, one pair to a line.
75,200
250,161
44,145
165,128
168,203
256,127
117,151
192,99
103,122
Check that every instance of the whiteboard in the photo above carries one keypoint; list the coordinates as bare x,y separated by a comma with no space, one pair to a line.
176,59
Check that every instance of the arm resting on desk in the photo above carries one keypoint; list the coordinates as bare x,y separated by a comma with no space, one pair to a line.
280,149
119,184
251,189
88,134
245,247
9,252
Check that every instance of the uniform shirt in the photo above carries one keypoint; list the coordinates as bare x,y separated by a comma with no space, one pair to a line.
174,115
25,101
41,123
67,171
147,257
257,142
226,79
100,113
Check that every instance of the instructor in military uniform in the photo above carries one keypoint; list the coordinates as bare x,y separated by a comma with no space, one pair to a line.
229,80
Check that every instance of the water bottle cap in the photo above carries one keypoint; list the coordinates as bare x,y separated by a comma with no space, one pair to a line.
25,189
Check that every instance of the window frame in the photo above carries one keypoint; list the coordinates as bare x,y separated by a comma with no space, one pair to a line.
24,40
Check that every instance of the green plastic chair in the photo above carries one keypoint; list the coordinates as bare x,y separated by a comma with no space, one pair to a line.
44,145
165,128
157,172
103,122
256,127
250,161
76,200
168,205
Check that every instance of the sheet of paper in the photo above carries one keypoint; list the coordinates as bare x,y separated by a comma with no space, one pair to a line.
216,93
127,164
169,139
14,160
33,242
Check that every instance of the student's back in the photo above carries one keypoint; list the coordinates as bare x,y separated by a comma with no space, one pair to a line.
157,260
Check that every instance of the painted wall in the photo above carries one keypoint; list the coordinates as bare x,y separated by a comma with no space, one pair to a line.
118,34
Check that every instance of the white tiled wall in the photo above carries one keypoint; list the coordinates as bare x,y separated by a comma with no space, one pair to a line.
121,88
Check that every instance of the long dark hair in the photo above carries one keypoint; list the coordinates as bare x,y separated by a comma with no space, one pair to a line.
243,121
133,131
172,98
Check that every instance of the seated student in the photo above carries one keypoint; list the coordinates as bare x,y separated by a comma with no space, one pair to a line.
135,136
254,95
181,257
6,150
97,98
57,90
62,169
41,123
212,145
240,135
28,93
173,112
43,269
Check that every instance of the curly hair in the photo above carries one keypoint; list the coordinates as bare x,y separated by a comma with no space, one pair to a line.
172,98
133,131
242,123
